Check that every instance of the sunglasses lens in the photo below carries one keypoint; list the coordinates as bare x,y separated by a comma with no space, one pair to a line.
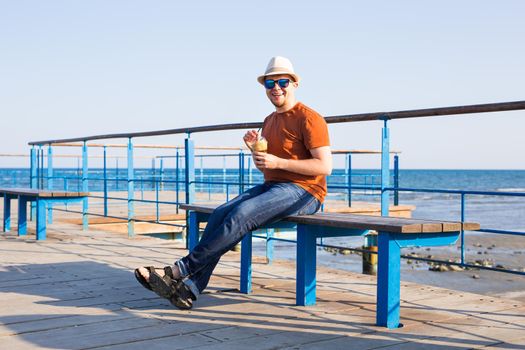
269,84
283,82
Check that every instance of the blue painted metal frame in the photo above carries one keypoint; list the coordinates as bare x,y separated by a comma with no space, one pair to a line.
34,179
385,168
189,169
131,190
270,243
50,182
40,167
390,244
41,207
85,187
105,182
7,212
396,179
349,178
22,215
389,269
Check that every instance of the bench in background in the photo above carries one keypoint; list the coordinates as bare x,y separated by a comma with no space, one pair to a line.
42,198
393,234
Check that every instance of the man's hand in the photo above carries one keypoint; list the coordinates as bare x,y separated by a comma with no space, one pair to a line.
319,164
263,160
250,138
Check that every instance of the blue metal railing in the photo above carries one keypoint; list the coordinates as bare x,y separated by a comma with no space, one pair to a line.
37,175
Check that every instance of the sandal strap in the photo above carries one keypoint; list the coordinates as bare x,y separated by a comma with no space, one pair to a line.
168,271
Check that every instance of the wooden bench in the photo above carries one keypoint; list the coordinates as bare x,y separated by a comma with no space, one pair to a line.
42,198
393,234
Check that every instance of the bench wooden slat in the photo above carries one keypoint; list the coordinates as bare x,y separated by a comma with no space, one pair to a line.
359,221
387,223
42,193
208,209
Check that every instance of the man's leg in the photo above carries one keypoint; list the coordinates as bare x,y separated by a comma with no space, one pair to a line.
214,221
280,200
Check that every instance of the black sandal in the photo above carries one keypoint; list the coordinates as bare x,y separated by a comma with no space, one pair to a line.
141,278
162,285
181,296
167,287
156,283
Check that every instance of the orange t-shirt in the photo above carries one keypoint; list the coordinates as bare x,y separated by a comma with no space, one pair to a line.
291,135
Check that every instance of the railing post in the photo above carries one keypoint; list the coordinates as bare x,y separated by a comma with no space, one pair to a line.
131,190
37,167
116,174
85,187
241,172
153,174
385,168
462,231
224,174
105,182
161,173
189,176
349,178
50,181
79,175
201,175
189,169
250,172
33,179
157,200
396,179
177,155
40,184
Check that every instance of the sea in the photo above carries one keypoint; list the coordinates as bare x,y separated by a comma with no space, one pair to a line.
494,198
506,211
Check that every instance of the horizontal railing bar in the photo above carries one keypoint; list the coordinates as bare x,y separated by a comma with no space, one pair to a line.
487,193
502,232
134,200
120,218
428,112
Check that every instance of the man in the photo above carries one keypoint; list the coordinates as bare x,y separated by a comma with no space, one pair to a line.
295,166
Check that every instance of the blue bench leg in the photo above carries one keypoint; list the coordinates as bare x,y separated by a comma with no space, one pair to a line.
306,264
7,213
50,213
85,220
40,220
246,264
269,245
32,213
193,231
388,281
22,216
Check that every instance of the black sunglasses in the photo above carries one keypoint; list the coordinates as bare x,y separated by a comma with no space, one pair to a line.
270,84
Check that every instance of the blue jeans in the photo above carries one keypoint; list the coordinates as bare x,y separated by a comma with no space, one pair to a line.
230,222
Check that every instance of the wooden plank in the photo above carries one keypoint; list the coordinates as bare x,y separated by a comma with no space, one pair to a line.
357,221
40,309
42,193
199,207
454,226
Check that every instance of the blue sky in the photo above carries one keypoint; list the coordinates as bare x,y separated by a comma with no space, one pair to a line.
72,68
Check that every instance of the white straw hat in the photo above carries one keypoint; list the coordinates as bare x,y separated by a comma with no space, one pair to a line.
279,65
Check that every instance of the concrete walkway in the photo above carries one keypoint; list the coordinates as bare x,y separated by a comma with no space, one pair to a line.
76,290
